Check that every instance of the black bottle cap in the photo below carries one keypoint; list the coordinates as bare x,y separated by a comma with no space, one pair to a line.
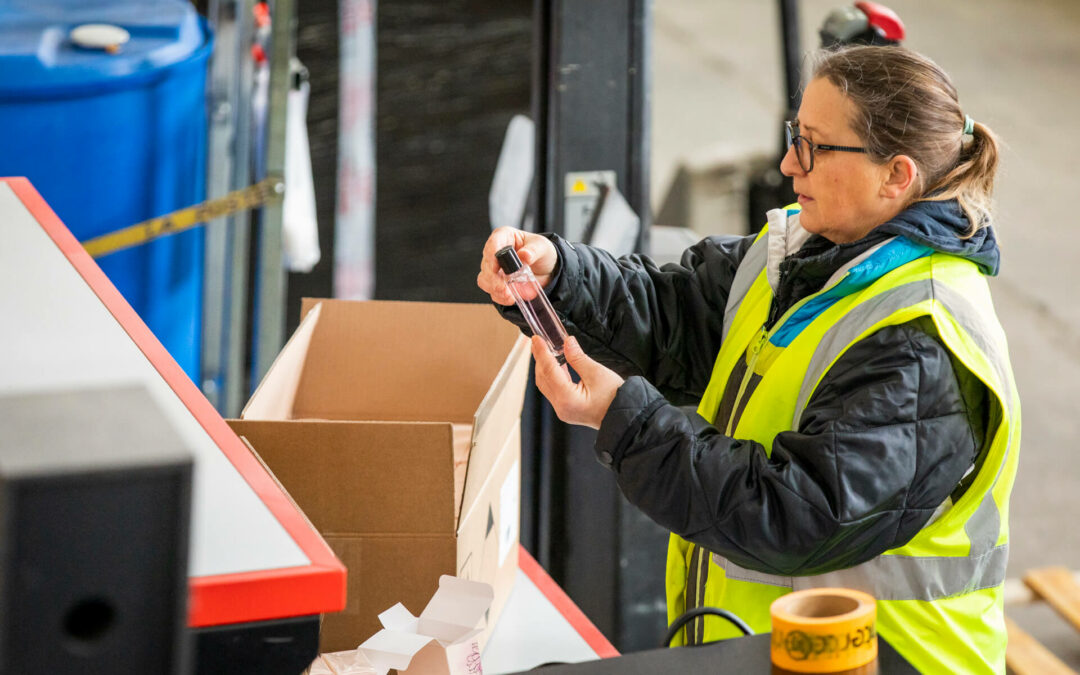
508,259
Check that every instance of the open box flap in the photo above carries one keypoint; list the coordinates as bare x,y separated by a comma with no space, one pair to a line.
495,417
274,397
391,649
399,618
402,361
456,608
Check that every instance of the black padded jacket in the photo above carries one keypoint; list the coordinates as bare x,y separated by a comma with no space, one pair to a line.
888,435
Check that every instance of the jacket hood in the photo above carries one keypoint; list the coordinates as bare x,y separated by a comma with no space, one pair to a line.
941,226
799,263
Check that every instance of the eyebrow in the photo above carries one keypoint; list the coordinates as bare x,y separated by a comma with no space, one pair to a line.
805,126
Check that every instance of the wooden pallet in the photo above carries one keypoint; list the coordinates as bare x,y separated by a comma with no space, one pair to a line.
1025,655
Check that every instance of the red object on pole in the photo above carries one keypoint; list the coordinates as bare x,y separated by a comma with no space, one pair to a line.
261,11
884,19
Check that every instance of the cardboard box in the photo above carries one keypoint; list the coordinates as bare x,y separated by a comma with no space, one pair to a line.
396,428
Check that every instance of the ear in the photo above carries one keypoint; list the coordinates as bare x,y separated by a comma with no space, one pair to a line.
901,172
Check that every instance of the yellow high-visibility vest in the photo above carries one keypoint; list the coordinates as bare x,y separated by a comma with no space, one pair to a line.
940,596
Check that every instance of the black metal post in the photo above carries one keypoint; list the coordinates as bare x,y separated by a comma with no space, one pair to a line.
591,107
789,43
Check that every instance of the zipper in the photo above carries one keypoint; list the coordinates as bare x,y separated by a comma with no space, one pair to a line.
759,342
699,568
751,360
690,593
698,636
696,578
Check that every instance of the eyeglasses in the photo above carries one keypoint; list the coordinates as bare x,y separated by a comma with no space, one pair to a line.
805,150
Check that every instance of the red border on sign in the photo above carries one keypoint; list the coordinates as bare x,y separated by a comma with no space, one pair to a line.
562,602
227,598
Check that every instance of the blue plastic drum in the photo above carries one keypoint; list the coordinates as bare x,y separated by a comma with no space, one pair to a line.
112,131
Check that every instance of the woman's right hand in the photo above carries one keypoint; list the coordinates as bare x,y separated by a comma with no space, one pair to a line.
534,250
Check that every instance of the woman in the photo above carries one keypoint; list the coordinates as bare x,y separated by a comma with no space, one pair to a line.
856,418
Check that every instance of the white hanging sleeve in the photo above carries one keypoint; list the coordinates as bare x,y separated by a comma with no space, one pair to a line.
300,229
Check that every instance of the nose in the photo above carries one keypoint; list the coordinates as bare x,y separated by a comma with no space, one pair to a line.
789,165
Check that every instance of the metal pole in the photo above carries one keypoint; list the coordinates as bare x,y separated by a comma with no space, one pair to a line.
591,110
235,393
270,284
789,43
228,168
220,90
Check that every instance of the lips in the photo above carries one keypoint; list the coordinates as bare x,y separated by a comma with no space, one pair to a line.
804,200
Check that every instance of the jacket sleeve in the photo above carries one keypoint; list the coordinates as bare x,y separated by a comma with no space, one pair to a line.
663,323
886,437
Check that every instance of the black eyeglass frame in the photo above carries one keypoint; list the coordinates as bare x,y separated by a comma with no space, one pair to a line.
793,137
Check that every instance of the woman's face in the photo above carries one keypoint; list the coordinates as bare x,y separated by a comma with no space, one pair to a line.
842,198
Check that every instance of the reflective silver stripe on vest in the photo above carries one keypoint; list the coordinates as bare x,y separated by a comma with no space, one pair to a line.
733,571
973,323
896,577
866,314
880,307
849,327
748,271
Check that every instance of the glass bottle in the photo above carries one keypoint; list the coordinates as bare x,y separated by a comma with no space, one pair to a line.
532,301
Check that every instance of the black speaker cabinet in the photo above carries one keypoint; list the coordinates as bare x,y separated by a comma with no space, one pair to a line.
95,494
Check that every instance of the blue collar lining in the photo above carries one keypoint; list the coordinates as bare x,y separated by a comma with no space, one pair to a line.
897,252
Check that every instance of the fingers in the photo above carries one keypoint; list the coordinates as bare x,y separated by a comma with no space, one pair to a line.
585,402
538,253
554,382
552,379
531,252
500,238
576,356
588,369
489,279
495,287
599,384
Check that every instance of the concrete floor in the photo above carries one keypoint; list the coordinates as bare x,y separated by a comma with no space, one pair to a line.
717,79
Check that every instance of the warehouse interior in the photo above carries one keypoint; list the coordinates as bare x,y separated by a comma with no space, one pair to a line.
361,153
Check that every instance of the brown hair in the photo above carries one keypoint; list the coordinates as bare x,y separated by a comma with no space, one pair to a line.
906,105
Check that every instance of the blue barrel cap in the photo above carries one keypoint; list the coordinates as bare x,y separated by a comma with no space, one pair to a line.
40,56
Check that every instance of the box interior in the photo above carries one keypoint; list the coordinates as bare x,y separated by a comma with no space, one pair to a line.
421,362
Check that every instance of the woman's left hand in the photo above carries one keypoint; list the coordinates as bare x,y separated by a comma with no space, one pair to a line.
585,402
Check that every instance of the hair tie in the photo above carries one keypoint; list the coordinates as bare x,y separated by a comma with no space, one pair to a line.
969,125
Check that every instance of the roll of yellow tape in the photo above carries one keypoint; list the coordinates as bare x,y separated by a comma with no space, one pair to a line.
824,630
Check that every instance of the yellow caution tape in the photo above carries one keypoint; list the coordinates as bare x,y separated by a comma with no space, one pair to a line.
823,630
264,192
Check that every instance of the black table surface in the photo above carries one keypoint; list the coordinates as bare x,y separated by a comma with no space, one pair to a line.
746,656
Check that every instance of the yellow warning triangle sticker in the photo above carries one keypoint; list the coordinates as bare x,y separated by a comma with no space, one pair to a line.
579,186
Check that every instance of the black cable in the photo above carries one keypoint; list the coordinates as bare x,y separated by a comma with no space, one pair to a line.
691,614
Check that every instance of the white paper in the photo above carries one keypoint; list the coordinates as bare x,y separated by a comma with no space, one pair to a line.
455,609
513,174
442,639
398,618
391,649
617,226
299,223
509,508
464,658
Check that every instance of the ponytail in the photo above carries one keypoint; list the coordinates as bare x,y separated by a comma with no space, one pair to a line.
971,181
